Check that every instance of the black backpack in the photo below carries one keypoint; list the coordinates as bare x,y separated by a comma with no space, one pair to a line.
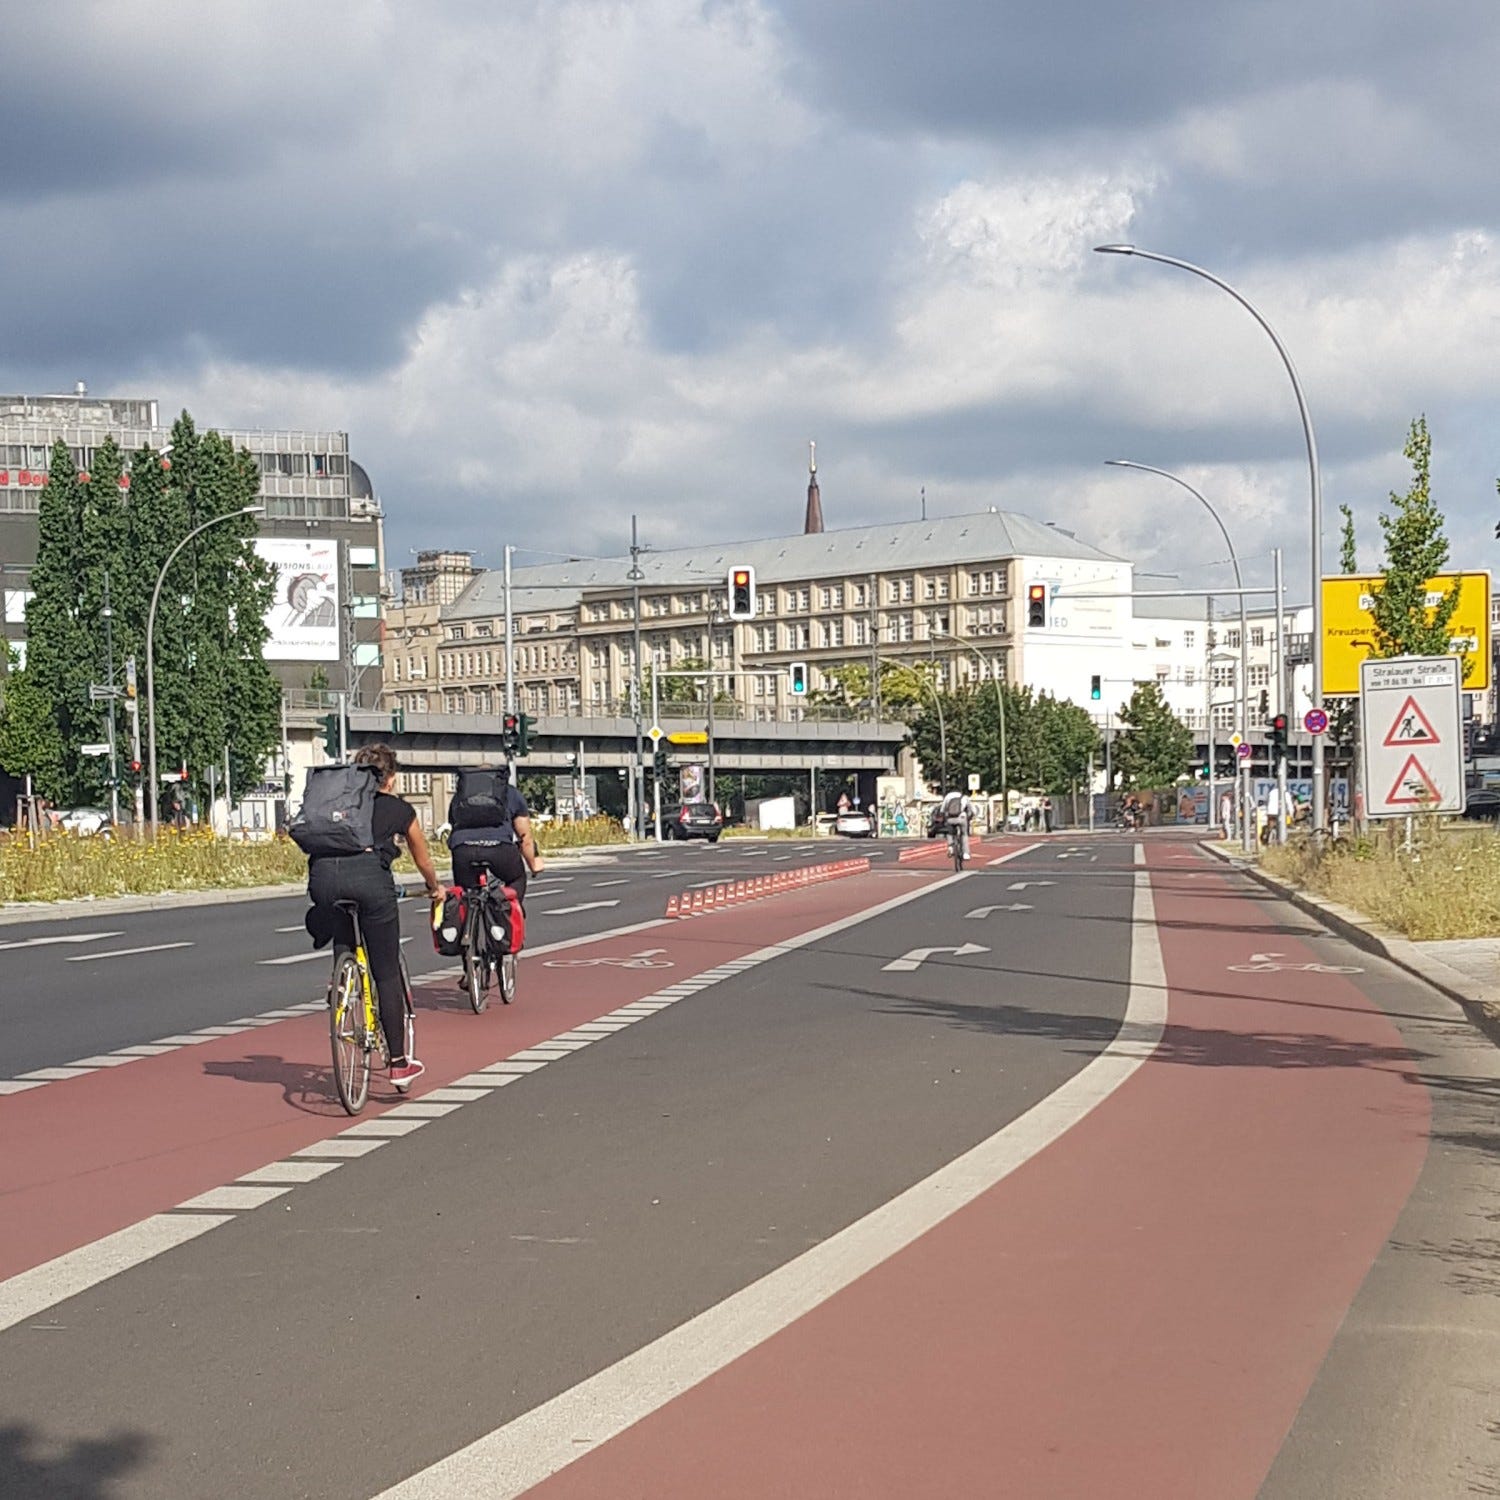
338,811
481,800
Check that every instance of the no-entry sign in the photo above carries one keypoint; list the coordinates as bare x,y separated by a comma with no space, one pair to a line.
1411,730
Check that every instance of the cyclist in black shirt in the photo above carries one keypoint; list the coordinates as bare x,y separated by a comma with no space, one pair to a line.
365,878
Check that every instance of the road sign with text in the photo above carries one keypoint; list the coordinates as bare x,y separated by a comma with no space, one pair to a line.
1411,728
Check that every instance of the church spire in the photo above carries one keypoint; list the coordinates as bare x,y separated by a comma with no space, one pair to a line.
814,520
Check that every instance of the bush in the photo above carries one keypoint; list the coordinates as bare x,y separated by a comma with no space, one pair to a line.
1447,886
577,833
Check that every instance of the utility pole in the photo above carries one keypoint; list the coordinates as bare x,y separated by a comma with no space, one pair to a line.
655,774
637,770
109,680
1281,694
133,708
510,654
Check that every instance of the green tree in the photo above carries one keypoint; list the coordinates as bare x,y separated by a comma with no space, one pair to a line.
1416,550
902,685
30,742
1156,747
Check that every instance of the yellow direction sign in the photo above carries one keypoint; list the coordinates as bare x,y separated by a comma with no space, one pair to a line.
1349,634
689,737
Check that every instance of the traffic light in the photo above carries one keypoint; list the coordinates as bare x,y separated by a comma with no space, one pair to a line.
523,735
1278,736
742,592
1096,687
398,721
1036,605
659,760
330,723
798,670
510,735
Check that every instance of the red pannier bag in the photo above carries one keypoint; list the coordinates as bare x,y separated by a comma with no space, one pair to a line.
507,922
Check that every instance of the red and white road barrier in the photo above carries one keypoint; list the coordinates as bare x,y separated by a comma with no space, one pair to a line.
737,892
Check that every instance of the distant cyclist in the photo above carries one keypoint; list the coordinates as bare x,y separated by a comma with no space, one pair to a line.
958,812
365,878
490,824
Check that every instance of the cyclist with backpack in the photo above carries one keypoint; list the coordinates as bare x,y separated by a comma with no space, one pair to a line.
958,812
348,826
490,824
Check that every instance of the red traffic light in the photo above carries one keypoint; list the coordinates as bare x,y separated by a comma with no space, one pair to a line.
1279,723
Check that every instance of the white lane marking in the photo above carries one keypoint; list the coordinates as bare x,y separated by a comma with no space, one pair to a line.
232,1197
1140,854
50,1075
17,1086
485,1081
600,884
513,1458
339,1147
71,937
291,1171
109,1060
146,1049
420,1109
55,1281
85,958
383,1126
455,1095
562,911
298,958
1021,885
299,927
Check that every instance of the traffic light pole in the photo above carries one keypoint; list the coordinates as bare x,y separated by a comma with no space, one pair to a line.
1282,706
655,768
637,769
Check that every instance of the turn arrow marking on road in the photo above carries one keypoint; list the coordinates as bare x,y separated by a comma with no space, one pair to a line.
984,911
1021,885
915,958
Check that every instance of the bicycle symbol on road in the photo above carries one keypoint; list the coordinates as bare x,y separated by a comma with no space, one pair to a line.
1269,963
646,959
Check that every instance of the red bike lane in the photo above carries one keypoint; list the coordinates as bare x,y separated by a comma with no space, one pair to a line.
93,1154
1138,1310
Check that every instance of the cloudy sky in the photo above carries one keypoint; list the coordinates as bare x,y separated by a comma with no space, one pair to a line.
552,263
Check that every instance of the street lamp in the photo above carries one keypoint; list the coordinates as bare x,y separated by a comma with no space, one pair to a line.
947,635
161,578
1244,771
1319,783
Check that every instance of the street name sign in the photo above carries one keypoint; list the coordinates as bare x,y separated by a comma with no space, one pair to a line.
689,737
1349,631
1411,731
93,749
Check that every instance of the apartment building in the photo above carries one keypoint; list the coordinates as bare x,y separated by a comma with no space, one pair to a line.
313,490
953,592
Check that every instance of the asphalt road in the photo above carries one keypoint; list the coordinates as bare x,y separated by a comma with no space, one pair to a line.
1214,1216
86,984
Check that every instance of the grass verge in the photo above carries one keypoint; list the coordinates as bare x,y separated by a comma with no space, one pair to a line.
1447,886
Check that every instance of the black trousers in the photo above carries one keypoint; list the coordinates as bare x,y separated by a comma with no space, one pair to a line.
503,860
362,878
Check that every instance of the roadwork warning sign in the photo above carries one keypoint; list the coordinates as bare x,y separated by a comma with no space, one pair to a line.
1412,734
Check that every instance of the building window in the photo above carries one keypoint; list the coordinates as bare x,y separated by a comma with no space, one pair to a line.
1224,715
1260,677
1223,677
944,585
484,630
1189,676
1232,639
901,627
455,632
861,632
1257,635
825,596
1188,637
859,596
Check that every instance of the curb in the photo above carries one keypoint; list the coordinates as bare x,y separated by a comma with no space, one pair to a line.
703,901
1480,1003
104,906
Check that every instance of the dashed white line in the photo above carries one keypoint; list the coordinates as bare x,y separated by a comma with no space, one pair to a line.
88,958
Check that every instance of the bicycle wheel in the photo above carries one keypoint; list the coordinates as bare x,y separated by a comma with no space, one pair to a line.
956,845
346,1026
476,959
411,1013
507,977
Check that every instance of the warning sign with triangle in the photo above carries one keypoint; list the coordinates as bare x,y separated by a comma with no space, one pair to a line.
1413,787
1411,727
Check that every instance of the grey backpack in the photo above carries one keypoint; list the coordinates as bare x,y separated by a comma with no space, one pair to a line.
338,811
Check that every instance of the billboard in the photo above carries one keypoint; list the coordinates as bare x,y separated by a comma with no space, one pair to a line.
303,620
1348,635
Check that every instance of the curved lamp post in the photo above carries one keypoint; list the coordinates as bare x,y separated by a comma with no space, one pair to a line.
1319,783
948,635
1124,463
161,578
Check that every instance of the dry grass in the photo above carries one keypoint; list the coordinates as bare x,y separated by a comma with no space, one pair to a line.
578,833
1448,886
63,865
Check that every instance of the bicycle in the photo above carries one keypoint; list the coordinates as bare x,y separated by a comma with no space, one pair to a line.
956,844
354,1028
479,956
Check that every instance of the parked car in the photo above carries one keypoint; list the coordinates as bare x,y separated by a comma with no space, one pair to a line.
692,820
855,823
85,821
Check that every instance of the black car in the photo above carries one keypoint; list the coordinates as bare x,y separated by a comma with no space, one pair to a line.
692,820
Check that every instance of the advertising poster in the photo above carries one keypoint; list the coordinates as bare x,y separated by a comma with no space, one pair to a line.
692,784
303,619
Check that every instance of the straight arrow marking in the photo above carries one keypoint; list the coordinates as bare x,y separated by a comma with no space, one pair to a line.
560,911
984,911
1021,885
72,937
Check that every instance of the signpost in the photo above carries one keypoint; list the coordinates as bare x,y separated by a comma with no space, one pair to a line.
1315,721
1411,731
1242,750
1349,631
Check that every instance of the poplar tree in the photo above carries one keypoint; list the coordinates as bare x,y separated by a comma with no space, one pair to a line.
1415,552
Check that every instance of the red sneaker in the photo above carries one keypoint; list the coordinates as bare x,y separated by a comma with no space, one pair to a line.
403,1075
